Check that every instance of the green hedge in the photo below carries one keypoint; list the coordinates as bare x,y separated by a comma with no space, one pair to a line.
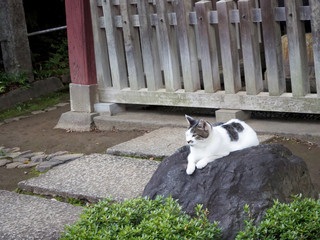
298,220
142,218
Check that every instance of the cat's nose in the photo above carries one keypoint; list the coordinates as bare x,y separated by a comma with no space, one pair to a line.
190,141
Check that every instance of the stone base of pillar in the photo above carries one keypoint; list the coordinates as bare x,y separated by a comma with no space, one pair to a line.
109,109
224,115
83,97
76,121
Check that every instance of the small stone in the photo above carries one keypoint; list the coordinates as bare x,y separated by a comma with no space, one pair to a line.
15,149
13,165
13,154
38,157
28,154
20,159
28,165
37,112
50,109
66,158
56,154
9,120
4,162
44,166
62,104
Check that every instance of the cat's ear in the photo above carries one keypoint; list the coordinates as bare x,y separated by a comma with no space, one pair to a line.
190,120
205,125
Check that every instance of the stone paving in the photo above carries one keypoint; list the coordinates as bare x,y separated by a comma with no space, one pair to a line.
14,158
24,217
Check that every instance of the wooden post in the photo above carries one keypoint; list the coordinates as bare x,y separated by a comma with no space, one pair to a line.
168,47
150,54
297,49
187,44
80,42
83,89
250,48
229,47
315,27
272,48
207,48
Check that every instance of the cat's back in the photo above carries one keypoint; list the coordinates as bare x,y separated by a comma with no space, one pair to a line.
238,133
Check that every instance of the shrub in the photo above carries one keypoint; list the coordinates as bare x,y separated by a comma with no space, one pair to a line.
298,220
10,80
141,218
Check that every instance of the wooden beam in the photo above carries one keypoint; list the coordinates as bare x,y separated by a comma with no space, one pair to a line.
261,102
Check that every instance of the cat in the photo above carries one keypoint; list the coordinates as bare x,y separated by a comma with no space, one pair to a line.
209,142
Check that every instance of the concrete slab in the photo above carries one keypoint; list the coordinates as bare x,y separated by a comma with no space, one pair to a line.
94,177
159,143
28,217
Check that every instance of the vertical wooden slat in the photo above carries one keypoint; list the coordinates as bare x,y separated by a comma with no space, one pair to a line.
250,48
151,61
315,27
216,30
187,46
297,49
100,48
272,48
229,47
115,47
132,47
207,48
168,47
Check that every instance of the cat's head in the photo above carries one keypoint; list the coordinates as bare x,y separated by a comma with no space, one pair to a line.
198,131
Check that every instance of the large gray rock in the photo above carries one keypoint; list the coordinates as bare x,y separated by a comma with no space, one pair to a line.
253,176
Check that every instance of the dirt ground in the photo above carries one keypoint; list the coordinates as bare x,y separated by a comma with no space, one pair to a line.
37,133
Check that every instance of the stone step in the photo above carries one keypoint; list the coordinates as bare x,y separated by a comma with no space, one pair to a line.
94,177
29,217
159,143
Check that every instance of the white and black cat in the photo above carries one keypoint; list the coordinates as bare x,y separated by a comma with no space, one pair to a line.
209,142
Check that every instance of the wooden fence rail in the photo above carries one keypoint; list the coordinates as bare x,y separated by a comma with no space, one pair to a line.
210,54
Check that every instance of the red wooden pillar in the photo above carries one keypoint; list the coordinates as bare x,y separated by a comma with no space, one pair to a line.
83,89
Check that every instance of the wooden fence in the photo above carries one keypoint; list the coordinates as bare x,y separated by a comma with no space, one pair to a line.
209,54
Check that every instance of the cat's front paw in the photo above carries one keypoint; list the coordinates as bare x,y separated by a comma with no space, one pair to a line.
201,164
190,169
